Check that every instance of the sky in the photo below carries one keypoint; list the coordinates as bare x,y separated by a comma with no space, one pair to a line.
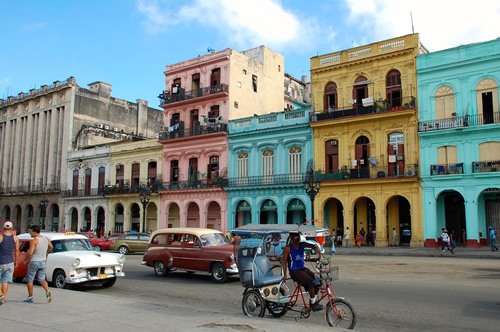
129,43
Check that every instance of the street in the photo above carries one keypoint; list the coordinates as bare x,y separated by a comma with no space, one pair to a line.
388,293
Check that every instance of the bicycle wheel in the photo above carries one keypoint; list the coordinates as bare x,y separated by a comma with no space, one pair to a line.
253,304
276,309
340,314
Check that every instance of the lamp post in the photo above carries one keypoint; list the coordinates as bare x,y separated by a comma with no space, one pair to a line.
43,206
311,187
144,196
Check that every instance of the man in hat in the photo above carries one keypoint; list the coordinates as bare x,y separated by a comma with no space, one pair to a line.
9,251
293,259
493,237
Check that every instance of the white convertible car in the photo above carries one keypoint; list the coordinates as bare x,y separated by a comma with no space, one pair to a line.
72,261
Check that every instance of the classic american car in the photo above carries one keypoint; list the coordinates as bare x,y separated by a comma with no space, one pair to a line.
73,261
192,250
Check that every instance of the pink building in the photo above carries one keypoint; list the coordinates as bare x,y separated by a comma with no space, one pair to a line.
201,95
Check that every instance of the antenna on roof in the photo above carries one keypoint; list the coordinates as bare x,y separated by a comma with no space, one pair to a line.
411,18
210,50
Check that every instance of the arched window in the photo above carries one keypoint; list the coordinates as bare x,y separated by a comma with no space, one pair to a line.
360,91
395,153
332,156
445,102
331,99
393,88
243,165
268,164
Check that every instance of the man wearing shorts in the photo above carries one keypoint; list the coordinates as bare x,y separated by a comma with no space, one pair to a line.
9,250
293,259
40,246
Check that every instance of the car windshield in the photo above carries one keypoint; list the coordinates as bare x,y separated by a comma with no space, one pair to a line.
71,245
213,239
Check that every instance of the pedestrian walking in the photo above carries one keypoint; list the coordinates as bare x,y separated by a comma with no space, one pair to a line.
339,236
40,246
358,239
347,238
453,242
445,240
9,252
493,237
394,242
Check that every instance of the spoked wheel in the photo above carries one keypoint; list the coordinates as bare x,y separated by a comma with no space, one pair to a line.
340,314
276,309
253,304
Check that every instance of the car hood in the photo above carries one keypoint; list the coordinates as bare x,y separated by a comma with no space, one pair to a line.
87,258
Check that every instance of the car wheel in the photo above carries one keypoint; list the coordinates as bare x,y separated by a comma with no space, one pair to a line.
219,273
160,269
97,248
59,279
108,283
123,250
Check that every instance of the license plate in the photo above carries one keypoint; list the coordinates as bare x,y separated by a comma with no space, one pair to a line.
102,275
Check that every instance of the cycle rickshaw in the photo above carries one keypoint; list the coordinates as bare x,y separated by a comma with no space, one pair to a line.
261,275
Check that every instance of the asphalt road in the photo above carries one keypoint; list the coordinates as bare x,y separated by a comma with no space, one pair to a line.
388,293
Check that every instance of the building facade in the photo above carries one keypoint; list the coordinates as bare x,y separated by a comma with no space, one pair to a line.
201,96
366,148
37,131
268,155
459,133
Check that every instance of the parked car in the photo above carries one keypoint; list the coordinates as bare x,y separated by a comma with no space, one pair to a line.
131,242
191,249
72,261
98,243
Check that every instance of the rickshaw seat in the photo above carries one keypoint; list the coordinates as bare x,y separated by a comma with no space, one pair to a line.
256,269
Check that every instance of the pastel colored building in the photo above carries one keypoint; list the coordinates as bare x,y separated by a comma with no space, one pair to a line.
366,149
268,155
201,95
459,129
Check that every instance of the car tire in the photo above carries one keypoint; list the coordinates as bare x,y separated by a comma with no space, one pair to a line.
219,273
108,283
59,280
97,248
123,250
160,269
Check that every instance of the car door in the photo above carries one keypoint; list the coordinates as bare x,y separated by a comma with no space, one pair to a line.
193,254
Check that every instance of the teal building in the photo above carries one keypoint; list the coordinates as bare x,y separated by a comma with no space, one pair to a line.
459,131
267,165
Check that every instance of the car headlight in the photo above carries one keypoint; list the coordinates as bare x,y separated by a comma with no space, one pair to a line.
121,259
76,262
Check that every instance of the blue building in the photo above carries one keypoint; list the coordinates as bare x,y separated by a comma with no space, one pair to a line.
459,130
267,160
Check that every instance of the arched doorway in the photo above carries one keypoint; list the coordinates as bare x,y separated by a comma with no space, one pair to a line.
135,215
174,216
333,213
214,216
87,220
119,218
295,212
268,212
451,212
193,215
74,220
399,218
101,219
243,214
364,218
151,220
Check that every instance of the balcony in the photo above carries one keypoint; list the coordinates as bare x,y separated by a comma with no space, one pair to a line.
265,180
372,172
446,169
486,166
211,128
30,189
459,122
167,97
371,107
217,182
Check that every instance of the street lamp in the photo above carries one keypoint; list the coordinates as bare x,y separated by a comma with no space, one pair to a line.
144,196
43,206
311,187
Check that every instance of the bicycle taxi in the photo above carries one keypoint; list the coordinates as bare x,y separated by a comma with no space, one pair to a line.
258,253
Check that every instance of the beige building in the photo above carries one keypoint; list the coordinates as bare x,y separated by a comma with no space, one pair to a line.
37,131
365,140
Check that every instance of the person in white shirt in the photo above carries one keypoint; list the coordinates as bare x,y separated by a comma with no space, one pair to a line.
446,240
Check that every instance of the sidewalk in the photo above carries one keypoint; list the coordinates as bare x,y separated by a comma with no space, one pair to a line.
463,252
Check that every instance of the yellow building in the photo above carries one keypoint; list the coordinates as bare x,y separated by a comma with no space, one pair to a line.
365,141
135,169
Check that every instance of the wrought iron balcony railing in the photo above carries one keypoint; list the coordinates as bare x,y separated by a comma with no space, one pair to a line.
486,166
459,122
445,169
265,180
372,172
167,97
372,107
196,131
194,184
28,190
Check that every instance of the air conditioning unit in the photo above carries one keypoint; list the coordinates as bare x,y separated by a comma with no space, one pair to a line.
100,125
411,173
106,127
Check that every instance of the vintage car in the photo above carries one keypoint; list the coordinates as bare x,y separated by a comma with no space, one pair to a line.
72,261
191,249
98,243
131,242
